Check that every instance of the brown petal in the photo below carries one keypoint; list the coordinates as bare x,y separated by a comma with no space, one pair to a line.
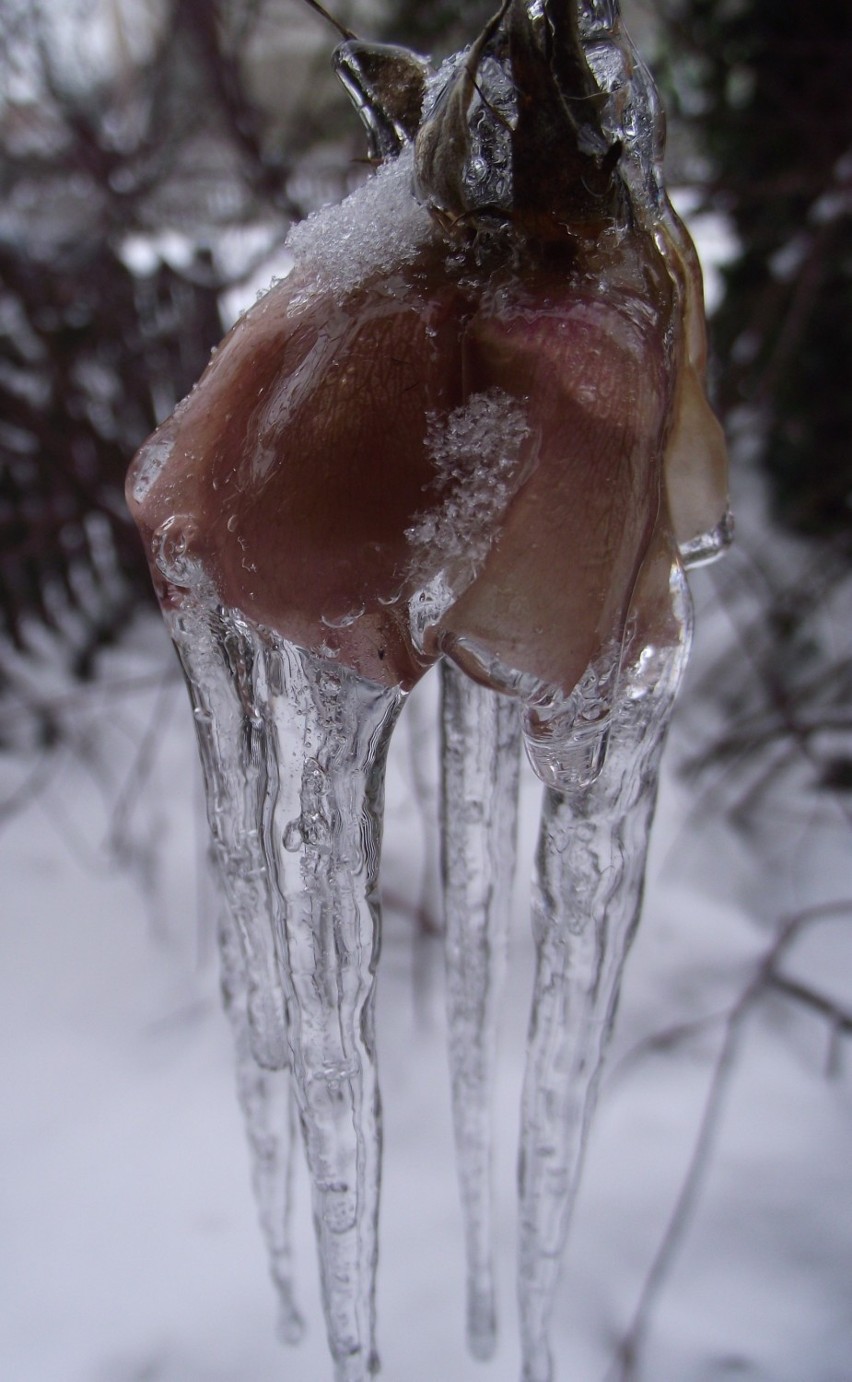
300,460
557,584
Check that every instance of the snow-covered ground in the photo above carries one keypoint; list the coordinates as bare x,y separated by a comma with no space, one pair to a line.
130,1248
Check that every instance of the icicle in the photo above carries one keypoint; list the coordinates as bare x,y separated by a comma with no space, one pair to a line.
217,650
321,828
293,750
586,902
271,1124
480,754
328,505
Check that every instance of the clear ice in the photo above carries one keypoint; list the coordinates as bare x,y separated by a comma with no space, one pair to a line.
587,896
293,750
268,1106
481,741
469,427
329,734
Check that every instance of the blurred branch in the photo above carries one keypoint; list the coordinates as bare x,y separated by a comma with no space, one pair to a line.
765,978
839,1017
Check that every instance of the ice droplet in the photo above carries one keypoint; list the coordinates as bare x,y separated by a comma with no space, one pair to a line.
708,547
171,548
293,837
566,737
344,620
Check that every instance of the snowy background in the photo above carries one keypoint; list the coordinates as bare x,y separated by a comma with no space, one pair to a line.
714,1226
130,1244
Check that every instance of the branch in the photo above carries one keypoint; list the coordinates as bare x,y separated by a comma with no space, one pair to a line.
628,1358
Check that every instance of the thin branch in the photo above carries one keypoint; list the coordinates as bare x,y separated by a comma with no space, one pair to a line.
31,787
664,1040
319,9
141,766
840,1018
781,702
628,1359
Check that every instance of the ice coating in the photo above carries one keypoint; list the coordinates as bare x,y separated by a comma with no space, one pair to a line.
469,425
555,588
696,454
299,548
696,463
157,457
363,388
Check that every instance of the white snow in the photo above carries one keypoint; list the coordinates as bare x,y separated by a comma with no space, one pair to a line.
476,452
130,1244
376,230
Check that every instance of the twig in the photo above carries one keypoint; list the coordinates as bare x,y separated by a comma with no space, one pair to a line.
32,703
142,764
330,19
664,1040
840,1018
27,791
782,703
627,1361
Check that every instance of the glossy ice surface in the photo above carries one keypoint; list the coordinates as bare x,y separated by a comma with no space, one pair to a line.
471,425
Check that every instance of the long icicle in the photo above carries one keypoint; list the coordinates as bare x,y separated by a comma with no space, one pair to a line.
266,1100
587,896
480,759
219,655
217,651
322,833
